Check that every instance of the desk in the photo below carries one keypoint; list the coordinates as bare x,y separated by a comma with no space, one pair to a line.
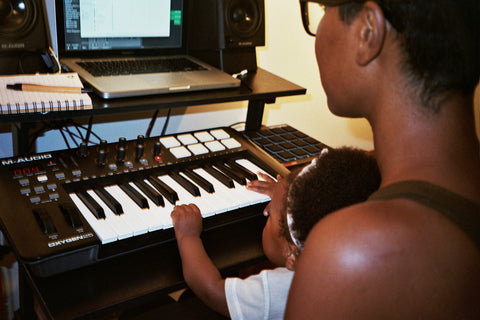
140,277
257,88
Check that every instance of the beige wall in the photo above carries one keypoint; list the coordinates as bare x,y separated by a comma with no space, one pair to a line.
289,52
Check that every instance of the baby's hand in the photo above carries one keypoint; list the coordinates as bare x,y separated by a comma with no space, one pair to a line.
267,186
187,221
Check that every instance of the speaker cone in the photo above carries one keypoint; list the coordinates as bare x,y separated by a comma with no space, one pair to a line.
17,17
243,17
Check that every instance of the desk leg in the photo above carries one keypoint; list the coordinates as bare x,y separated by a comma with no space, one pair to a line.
254,115
26,311
20,138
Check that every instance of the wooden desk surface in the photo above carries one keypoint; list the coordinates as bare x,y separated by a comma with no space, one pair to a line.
257,86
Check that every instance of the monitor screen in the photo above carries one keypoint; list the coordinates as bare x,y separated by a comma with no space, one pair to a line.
89,25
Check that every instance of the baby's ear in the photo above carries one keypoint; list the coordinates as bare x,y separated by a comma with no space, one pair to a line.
291,261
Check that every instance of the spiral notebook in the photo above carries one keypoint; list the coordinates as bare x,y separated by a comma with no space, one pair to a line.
15,102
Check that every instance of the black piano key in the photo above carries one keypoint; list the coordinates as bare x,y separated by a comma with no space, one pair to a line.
150,192
190,187
164,189
109,200
233,174
204,184
71,215
220,176
134,195
44,221
247,173
91,204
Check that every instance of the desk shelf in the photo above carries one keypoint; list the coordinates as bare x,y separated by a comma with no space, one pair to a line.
258,88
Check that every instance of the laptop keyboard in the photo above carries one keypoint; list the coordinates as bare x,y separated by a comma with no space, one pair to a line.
139,66
286,144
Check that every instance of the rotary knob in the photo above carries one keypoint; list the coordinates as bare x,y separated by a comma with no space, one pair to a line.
120,154
102,157
139,151
83,149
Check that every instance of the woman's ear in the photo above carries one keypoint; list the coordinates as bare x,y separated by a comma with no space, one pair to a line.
371,32
291,261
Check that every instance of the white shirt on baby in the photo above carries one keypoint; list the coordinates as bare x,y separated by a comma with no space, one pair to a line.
260,296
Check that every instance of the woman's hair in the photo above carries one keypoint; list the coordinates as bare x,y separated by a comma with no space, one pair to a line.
441,42
336,179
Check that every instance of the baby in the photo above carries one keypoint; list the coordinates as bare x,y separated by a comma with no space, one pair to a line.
336,179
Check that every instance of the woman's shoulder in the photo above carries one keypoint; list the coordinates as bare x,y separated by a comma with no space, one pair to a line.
377,250
385,226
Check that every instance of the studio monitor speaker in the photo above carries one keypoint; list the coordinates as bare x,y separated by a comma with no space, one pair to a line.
24,37
225,33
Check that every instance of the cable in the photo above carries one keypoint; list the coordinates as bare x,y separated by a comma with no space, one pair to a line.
72,135
92,133
89,130
236,124
65,139
165,125
56,60
61,126
151,124
80,135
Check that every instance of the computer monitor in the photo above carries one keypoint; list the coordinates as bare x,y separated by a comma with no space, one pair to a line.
119,25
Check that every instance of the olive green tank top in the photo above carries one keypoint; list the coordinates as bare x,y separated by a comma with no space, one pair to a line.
463,212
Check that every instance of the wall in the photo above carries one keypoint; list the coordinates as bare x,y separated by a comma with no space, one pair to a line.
289,53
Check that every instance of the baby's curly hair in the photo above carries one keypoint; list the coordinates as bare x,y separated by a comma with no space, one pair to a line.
339,178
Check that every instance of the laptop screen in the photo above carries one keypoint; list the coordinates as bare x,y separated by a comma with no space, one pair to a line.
119,25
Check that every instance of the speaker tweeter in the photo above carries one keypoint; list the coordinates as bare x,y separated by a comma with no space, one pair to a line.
225,33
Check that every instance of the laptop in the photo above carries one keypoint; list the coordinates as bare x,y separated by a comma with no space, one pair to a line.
102,40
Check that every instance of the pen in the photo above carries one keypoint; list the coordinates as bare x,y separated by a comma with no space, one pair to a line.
42,88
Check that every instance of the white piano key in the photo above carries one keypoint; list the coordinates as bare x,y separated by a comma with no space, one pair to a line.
103,231
210,198
132,213
154,214
255,169
186,197
230,197
164,212
122,229
251,197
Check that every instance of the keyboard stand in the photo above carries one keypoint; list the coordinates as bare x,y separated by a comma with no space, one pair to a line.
127,282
